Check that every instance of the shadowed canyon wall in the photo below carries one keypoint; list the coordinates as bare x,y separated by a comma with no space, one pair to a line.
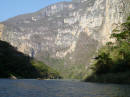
66,35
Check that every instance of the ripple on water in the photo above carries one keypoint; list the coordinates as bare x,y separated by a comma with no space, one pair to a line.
60,88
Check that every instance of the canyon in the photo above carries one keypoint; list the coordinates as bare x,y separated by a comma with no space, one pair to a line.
66,35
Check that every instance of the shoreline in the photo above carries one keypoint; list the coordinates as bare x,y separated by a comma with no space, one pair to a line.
115,78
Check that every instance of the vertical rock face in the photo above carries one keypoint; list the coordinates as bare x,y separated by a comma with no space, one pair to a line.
67,34
1,29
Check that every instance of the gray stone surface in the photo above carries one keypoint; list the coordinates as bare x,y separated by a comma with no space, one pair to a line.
66,35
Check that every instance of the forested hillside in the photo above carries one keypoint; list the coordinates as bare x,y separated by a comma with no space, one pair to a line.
112,63
15,63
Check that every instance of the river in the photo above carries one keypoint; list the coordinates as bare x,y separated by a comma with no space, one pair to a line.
60,88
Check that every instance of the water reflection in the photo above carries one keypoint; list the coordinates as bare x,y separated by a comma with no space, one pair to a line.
60,88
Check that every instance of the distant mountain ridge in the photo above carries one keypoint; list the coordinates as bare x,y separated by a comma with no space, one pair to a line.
65,35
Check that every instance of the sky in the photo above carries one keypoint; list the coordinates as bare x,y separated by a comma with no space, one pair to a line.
11,8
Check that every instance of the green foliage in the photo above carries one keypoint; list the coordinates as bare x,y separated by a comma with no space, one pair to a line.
13,62
114,57
124,33
120,78
45,71
103,63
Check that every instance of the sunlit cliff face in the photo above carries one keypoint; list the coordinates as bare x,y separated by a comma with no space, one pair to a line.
1,29
66,35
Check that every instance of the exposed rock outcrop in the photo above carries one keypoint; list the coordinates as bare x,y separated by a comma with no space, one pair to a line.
1,29
67,34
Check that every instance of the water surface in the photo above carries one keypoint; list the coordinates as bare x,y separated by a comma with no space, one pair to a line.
60,88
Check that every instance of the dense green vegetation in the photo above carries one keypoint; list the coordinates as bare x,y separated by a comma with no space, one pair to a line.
15,63
73,71
112,63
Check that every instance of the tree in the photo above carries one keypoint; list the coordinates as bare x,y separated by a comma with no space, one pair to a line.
121,48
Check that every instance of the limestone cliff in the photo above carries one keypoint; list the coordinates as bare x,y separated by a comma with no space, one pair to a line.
67,34
1,29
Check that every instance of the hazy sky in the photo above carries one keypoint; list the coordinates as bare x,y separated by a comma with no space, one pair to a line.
11,8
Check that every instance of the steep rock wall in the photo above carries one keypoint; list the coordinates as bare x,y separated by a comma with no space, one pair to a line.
1,29
67,34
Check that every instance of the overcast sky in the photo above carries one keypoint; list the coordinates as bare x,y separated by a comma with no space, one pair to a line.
11,8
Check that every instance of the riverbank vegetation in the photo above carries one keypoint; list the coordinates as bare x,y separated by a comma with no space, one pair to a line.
112,63
16,64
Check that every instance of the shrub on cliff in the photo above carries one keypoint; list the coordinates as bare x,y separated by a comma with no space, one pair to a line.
114,57
13,62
